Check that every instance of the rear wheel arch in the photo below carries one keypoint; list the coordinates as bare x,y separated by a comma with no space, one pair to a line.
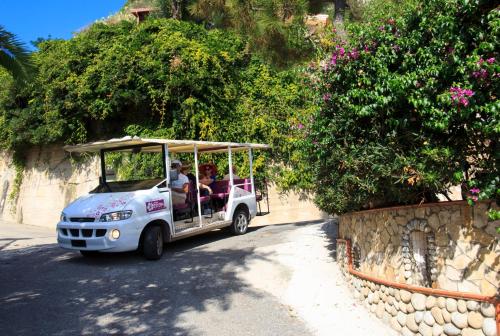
244,207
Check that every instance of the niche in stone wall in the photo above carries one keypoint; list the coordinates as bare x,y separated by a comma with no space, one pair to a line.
419,253
356,256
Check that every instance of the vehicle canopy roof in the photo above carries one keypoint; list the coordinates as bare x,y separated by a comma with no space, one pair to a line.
128,143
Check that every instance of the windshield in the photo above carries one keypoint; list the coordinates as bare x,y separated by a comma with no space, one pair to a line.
130,171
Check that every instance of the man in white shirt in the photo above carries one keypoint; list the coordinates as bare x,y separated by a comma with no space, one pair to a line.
180,186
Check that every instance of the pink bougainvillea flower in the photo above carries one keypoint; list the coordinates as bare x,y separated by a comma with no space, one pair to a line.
327,97
475,190
354,54
300,126
491,60
482,74
381,28
459,95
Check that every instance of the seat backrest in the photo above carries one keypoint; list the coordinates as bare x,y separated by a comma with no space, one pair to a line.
244,184
248,185
191,195
220,186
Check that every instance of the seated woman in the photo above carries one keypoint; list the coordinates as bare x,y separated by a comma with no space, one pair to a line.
209,174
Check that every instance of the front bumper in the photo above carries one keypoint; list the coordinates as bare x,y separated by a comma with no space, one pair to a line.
96,236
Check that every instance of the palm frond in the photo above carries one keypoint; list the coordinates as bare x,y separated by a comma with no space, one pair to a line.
14,56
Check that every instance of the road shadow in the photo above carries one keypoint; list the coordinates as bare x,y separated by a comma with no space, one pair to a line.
331,231
47,291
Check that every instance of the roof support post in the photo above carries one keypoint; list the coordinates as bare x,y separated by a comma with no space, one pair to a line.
230,161
197,183
166,166
103,167
250,158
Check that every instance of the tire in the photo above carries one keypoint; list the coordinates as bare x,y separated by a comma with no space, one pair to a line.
152,243
89,254
240,222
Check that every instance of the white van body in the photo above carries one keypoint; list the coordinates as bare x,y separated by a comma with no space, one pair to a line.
117,221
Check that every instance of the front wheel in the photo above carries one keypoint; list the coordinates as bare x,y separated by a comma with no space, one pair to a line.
152,245
240,222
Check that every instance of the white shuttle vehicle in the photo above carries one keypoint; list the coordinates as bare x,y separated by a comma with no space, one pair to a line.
129,215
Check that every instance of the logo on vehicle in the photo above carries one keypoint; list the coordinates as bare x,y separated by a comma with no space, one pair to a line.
155,205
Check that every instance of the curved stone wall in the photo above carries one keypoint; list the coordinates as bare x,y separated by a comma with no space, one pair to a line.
463,249
454,247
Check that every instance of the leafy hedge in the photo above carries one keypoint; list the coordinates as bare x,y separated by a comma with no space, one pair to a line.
408,107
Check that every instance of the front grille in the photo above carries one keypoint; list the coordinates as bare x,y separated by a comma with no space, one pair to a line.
82,219
87,232
100,232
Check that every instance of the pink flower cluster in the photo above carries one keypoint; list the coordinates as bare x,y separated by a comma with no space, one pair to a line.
482,73
459,95
341,54
475,192
490,60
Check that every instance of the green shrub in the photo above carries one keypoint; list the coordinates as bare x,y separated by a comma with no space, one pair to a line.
408,107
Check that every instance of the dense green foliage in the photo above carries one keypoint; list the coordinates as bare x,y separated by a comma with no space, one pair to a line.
273,29
409,106
163,78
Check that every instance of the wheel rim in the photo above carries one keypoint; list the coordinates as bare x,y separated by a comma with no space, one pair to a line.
241,222
159,244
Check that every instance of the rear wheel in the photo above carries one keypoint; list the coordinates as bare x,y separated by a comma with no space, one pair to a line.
240,222
152,244
87,253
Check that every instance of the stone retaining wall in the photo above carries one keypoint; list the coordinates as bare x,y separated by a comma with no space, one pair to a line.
419,314
455,251
462,248
51,180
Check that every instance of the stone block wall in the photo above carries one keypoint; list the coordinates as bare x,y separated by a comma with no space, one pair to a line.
425,270
462,248
50,181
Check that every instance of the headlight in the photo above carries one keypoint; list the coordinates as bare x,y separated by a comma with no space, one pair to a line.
116,216
63,217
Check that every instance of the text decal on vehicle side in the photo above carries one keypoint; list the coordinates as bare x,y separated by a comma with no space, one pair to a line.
155,205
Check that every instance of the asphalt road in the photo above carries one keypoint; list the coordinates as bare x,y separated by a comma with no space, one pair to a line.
193,290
